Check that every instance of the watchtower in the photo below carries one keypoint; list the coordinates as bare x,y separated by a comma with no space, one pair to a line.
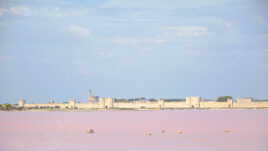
22,102
230,103
109,102
106,103
161,103
72,103
102,102
194,102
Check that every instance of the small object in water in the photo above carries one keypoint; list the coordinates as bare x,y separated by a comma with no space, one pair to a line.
163,131
148,134
90,131
179,131
227,131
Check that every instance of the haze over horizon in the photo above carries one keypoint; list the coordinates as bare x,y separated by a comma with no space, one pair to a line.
128,49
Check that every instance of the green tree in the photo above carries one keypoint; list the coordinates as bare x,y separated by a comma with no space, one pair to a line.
223,98
8,106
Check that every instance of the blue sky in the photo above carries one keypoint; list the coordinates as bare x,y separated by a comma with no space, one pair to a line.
142,48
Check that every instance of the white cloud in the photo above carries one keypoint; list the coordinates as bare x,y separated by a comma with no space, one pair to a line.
78,30
259,19
160,41
16,10
135,41
4,59
265,37
43,11
189,31
105,55
227,24
58,12
129,41
169,4
2,11
20,10
224,23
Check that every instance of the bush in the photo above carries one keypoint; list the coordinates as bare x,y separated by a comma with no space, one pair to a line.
223,98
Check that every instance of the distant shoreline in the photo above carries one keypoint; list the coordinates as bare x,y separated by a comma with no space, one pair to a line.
107,110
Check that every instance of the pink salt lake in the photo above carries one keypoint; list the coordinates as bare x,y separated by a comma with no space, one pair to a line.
202,130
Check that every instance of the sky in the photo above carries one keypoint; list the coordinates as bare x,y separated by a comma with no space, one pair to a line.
127,49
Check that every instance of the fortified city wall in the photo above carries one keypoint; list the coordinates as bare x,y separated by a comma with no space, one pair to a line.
110,103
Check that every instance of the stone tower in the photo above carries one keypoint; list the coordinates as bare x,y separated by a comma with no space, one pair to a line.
193,101
109,102
102,102
91,98
106,103
72,103
22,103
161,103
230,103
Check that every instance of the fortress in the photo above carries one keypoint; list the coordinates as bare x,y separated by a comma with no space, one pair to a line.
111,103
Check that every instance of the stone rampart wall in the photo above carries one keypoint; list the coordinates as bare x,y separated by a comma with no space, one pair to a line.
108,103
58,105
215,105
136,105
174,105
251,105
88,105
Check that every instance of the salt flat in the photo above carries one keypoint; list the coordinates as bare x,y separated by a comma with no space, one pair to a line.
200,130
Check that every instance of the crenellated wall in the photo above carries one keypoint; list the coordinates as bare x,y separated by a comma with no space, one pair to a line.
191,102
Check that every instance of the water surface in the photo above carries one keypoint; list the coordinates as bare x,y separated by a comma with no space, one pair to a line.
203,130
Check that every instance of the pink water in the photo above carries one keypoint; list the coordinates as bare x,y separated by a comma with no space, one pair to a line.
203,130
